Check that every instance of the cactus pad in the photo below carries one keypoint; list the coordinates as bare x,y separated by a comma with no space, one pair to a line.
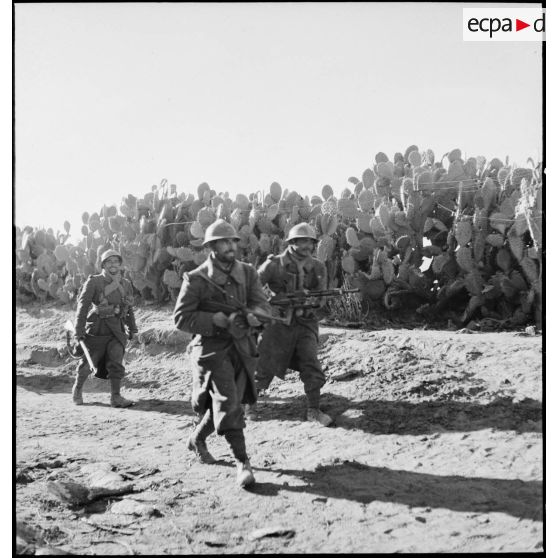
463,232
325,248
348,264
327,192
464,259
414,158
352,238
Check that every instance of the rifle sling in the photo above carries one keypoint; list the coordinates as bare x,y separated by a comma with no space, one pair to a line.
220,289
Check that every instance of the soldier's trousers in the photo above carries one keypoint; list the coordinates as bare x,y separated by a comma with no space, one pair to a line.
106,352
225,414
226,389
294,347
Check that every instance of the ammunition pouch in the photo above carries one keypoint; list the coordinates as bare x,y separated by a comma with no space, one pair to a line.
105,311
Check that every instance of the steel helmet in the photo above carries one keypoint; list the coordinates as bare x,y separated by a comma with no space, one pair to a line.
219,230
109,254
302,230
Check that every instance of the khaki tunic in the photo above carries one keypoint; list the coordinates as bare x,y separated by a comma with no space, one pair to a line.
294,346
105,338
221,364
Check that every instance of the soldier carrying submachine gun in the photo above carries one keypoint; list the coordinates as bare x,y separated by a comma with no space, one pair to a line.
297,284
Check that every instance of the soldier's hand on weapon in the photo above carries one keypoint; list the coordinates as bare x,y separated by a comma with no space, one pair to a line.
79,338
220,319
252,320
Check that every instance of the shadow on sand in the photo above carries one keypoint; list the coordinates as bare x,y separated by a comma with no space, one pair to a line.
405,417
364,484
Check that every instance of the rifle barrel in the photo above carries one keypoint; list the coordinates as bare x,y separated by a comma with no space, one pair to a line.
301,295
214,306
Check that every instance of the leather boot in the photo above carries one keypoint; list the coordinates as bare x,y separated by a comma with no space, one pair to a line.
244,473
116,400
77,395
315,415
199,447
196,441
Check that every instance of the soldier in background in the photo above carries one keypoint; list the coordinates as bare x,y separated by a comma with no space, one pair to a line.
294,346
105,321
223,351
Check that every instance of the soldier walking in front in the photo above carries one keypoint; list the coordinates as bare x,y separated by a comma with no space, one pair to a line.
104,321
294,346
224,349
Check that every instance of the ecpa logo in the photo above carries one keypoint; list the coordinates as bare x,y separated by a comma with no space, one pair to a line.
503,24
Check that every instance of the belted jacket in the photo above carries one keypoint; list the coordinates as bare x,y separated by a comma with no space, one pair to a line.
211,343
285,273
103,309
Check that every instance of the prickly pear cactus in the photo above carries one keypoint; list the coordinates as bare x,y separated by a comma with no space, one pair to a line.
479,222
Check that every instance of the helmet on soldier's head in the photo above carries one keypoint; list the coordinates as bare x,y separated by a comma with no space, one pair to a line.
302,230
219,230
109,254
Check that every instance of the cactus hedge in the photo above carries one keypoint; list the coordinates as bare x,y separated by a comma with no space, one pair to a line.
459,237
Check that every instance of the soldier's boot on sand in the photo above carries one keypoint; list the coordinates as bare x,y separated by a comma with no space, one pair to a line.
244,473
199,447
196,441
315,415
77,393
237,443
116,400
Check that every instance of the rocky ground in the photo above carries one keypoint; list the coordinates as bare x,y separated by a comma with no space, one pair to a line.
436,447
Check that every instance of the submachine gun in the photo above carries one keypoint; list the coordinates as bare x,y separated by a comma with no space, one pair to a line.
297,302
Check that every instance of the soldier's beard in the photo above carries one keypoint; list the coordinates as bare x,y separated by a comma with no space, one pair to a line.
226,258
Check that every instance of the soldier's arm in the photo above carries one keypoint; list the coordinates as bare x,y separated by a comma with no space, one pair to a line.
186,315
85,299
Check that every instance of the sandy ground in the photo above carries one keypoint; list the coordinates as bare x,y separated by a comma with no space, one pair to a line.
437,447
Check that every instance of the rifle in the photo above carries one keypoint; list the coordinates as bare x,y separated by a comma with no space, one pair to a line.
71,331
299,299
297,302
234,312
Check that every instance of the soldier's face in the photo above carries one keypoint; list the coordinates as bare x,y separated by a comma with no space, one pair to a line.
112,265
304,246
225,249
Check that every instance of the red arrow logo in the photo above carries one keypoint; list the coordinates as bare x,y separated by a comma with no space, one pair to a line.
519,25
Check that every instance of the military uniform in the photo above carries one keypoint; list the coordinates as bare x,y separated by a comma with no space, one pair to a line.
104,320
104,317
223,365
292,346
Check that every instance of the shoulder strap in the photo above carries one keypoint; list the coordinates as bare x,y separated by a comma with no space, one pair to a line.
229,297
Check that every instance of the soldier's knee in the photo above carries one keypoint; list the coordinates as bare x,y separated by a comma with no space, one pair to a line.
83,370
115,370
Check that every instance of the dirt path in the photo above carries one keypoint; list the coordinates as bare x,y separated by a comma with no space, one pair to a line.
437,447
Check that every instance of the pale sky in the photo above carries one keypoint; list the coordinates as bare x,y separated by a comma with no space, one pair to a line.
112,98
